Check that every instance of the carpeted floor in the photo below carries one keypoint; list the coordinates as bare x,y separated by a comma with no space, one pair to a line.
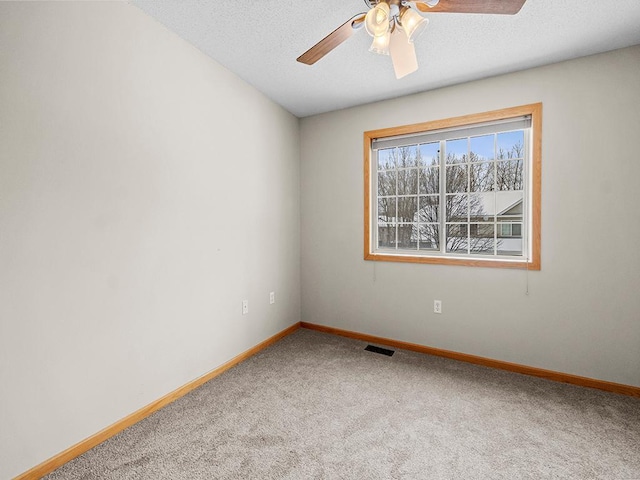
320,406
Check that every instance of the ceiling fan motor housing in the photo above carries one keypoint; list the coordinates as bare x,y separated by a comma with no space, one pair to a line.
398,3
373,3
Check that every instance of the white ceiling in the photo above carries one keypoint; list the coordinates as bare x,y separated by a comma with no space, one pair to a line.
260,40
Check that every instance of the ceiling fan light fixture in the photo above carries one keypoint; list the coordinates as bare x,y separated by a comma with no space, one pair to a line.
376,21
412,23
380,44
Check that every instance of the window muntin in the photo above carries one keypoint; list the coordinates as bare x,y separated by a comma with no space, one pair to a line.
468,191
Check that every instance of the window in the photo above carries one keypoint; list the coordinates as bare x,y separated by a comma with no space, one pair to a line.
462,191
510,230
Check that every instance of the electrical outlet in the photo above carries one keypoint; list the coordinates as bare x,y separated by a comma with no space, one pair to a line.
245,307
437,306
272,298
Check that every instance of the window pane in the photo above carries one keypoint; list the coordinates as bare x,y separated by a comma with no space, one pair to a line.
430,180
516,229
429,208
457,241
386,159
407,209
406,239
509,206
386,210
429,237
504,230
509,175
456,178
407,156
408,182
510,246
482,246
482,207
481,238
386,236
485,230
511,145
429,154
456,151
457,208
481,178
510,230
482,148
386,183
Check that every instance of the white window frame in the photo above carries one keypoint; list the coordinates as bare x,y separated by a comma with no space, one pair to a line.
460,127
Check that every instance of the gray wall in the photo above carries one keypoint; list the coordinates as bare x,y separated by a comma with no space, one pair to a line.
144,192
582,313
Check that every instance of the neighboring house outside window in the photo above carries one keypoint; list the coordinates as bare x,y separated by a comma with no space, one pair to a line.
458,191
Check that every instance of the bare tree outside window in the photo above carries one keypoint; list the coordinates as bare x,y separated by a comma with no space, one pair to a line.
409,193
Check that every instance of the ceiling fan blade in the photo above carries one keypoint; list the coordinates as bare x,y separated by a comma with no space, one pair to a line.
502,7
332,40
403,54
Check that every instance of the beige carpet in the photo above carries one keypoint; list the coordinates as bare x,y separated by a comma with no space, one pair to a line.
319,406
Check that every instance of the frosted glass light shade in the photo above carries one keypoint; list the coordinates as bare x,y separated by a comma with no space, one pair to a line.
380,44
403,54
413,23
376,22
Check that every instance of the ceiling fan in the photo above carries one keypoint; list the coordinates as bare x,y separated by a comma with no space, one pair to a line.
395,24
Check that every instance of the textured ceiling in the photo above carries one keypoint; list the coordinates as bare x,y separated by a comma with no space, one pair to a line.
260,40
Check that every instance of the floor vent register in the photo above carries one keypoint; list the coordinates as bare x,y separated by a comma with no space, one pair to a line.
380,350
